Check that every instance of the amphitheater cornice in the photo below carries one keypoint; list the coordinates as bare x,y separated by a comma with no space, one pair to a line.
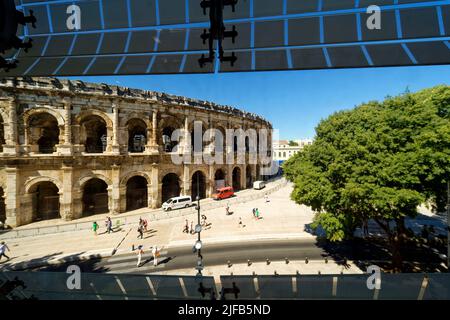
78,88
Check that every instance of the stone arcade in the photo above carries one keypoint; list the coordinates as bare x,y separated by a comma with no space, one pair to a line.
70,149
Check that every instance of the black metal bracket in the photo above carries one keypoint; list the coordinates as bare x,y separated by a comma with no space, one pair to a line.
10,19
217,31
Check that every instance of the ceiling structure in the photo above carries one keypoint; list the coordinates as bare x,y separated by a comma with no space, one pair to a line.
119,37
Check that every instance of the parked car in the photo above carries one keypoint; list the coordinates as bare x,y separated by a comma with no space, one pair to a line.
258,185
223,193
177,203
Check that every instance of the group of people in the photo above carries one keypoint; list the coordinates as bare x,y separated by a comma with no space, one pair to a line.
108,226
140,252
256,214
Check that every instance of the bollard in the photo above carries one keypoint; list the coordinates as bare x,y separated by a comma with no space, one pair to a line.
319,273
275,273
249,263
306,260
326,259
286,260
229,264
267,261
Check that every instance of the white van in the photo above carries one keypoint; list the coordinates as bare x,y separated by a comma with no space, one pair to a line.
177,203
258,185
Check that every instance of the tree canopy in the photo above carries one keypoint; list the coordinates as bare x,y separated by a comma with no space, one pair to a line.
377,161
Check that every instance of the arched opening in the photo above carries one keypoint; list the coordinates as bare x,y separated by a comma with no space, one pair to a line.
2,133
198,185
2,206
235,144
168,144
94,133
44,132
137,193
95,197
137,135
45,201
236,178
170,186
219,140
197,143
247,144
248,177
219,179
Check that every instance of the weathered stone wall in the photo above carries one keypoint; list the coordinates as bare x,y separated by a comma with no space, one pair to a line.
69,105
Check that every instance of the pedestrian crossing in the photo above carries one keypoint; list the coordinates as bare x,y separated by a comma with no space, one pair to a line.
127,263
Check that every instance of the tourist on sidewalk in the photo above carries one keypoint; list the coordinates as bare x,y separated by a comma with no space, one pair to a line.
192,231
95,227
3,248
155,253
109,225
140,252
186,227
140,231
266,197
145,225
257,214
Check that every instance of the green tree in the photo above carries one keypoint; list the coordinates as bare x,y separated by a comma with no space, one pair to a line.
377,161
293,143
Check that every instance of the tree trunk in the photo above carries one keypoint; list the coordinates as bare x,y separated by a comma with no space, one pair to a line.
395,240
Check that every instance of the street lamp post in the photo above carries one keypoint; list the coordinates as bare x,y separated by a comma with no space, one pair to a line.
198,229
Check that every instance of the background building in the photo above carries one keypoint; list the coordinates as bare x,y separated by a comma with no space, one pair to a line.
283,150
69,149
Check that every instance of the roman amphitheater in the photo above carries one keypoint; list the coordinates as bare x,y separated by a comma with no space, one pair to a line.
70,149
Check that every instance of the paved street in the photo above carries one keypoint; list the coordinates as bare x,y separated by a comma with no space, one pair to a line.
281,219
213,255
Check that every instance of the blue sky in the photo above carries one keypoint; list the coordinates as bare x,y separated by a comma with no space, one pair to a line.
294,101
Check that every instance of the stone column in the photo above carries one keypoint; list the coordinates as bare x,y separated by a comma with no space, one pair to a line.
66,199
115,140
155,187
187,143
11,142
153,148
186,181
66,148
115,190
212,182
12,202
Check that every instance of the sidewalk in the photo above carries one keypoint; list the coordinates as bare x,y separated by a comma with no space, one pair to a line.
127,218
281,218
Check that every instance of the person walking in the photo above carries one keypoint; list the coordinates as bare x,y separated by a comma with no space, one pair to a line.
140,252
155,253
95,227
192,227
257,214
109,225
254,212
140,231
186,227
3,248
266,197
145,225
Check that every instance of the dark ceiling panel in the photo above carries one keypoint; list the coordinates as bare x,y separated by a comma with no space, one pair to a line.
312,58
428,26
269,34
388,55
271,60
304,31
435,52
345,57
340,28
